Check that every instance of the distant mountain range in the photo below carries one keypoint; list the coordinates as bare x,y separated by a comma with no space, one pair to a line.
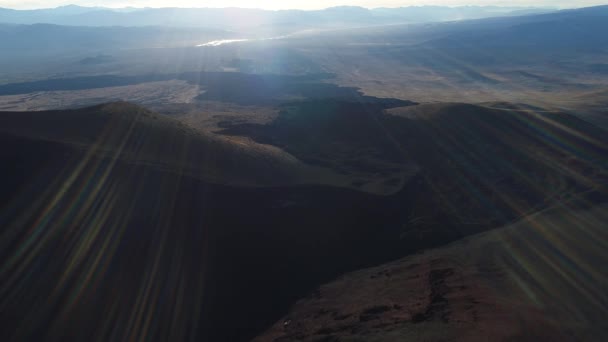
238,18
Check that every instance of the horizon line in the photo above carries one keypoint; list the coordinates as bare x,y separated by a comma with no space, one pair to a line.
294,9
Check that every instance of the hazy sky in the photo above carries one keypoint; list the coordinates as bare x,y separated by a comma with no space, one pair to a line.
282,4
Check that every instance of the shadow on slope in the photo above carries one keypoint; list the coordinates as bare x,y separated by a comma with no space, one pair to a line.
539,279
107,235
138,136
484,165
98,244
345,136
496,165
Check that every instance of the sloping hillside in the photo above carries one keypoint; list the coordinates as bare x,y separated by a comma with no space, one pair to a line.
114,216
119,222
138,136
494,164
482,165
538,280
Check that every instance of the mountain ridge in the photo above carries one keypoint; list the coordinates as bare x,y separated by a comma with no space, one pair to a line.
192,16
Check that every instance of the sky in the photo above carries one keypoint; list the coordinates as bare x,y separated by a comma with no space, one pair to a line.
295,4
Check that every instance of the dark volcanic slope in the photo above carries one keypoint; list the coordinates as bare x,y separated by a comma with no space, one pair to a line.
491,164
106,235
138,136
109,231
483,166
541,279
115,224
